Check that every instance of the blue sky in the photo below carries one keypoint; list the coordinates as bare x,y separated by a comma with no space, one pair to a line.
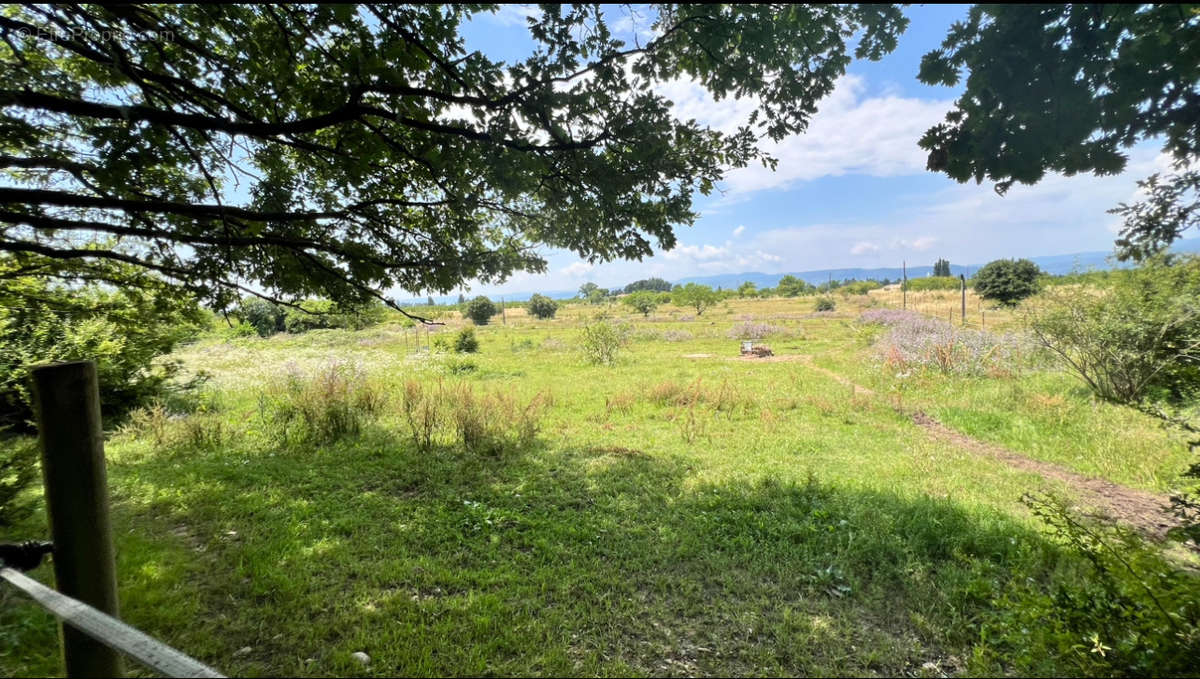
853,191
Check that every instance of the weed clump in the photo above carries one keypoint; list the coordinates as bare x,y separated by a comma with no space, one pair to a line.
916,341
336,402
602,339
488,423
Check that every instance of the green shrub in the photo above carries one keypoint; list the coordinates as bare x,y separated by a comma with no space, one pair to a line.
699,297
643,301
542,307
934,283
267,318
1007,281
480,310
1140,338
825,304
124,334
465,341
860,287
322,314
1116,607
18,472
602,339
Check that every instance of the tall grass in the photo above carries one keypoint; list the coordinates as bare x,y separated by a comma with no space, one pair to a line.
485,422
336,402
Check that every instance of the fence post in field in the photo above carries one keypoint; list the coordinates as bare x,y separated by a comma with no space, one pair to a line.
67,402
904,284
963,280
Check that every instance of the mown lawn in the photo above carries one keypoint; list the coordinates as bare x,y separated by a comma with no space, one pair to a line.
677,514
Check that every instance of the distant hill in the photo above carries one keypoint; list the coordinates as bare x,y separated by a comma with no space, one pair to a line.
1053,264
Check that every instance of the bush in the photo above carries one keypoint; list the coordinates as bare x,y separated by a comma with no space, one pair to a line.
542,307
934,283
322,314
699,297
916,341
643,301
602,339
124,334
1007,281
335,403
465,341
18,472
267,318
1118,607
480,310
859,287
1139,338
825,304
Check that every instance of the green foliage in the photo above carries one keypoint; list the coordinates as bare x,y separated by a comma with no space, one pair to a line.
941,267
332,117
747,289
699,297
480,310
643,301
824,304
1138,338
18,472
602,339
265,317
1067,88
790,286
1007,281
860,287
124,332
323,314
1171,206
650,284
465,341
1063,88
1123,611
934,283
541,306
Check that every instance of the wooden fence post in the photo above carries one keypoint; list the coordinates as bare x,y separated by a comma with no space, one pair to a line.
963,280
67,402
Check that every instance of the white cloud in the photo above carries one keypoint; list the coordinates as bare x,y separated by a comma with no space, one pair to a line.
851,134
699,253
863,247
919,244
514,14
576,269
739,230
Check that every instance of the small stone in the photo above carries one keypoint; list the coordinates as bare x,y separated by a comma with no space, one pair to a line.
361,657
244,650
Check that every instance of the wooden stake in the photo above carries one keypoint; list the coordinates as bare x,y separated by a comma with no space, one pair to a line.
67,402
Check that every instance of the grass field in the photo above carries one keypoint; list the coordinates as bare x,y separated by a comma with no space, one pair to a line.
681,512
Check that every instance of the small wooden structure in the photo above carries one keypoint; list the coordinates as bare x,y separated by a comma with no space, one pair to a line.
752,349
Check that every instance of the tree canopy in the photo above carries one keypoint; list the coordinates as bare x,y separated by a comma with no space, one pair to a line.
1068,88
342,151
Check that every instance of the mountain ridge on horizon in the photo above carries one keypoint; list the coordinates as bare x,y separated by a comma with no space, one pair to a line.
1052,264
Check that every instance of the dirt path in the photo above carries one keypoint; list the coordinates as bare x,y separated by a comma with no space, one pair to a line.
1139,509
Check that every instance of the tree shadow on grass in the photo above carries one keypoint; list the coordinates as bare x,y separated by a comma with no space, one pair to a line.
601,561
